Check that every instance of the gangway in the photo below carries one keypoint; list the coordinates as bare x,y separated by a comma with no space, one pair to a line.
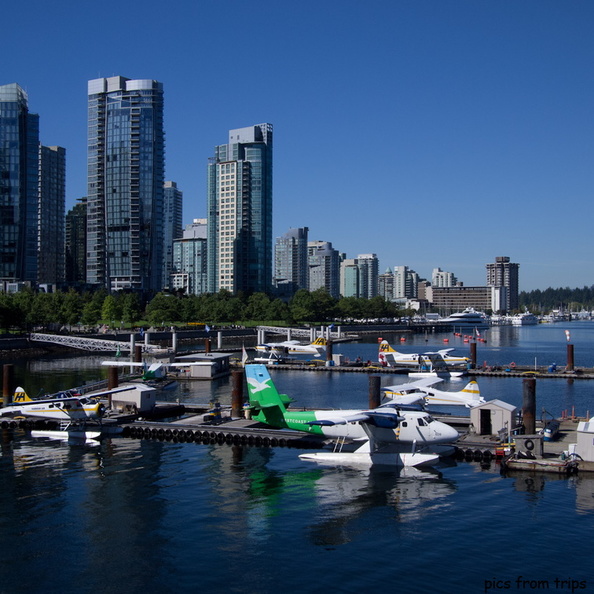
93,344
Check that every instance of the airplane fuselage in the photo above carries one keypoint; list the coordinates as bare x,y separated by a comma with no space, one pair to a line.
55,408
417,427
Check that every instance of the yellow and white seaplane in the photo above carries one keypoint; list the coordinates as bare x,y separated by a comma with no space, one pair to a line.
61,407
389,357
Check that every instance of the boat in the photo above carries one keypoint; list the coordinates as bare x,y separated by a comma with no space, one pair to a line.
524,319
469,318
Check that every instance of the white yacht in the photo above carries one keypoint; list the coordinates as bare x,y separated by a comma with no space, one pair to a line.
467,319
524,319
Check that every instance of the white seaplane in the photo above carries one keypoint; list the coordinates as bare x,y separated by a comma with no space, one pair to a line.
386,435
293,347
389,357
422,393
61,407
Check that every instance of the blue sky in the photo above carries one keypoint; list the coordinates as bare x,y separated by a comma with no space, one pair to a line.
432,133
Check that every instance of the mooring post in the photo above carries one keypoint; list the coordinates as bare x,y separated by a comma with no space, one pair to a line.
7,383
138,353
236,393
473,355
374,391
207,345
328,351
220,340
174,340
529,405
569,357
132,342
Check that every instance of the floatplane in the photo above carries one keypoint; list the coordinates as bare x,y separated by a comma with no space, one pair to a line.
422,393
386,435
72,411
272,353
429,364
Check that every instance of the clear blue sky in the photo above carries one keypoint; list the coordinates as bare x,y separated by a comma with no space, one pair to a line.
433,133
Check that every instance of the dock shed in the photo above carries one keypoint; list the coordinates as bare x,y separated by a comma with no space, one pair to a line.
585,440
490,417
134,397
205,366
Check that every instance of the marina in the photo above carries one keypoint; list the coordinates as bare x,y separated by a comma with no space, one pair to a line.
192,501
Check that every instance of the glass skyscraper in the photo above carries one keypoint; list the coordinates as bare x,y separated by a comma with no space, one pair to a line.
239,204
291,271
19,185
126,164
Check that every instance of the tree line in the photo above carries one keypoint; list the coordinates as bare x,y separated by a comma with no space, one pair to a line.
543,301
28,309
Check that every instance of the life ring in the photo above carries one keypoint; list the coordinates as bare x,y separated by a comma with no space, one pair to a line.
512,365
529,445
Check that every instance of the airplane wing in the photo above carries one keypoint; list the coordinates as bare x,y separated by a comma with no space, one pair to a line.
122,363
416,385
376,418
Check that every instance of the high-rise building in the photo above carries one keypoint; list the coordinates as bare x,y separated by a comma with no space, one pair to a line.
385,284
324,267
349,278
172,226
503,273
290,262
126,162
189,260
240,212
76,243
440,278
368,275
51,205
19,185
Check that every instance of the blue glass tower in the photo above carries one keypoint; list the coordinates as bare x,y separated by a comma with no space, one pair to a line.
19,175
239,204
126,165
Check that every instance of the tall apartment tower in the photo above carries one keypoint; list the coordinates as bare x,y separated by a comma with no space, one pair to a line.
440,278
368,275
239,206
51,208
172,226
76,243
324,267
19,185
126,163
189,260
290,262
350,278
504,273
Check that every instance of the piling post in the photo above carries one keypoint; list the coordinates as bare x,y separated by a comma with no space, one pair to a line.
146,338
569,357
112,378
328,351
220,340
8,386
174,341
207,345
236,393
132,342
473,355
374,391
529,405
138,353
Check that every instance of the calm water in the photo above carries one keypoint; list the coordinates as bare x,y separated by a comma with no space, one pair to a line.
143,516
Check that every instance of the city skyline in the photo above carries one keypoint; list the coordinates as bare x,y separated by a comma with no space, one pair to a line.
431,134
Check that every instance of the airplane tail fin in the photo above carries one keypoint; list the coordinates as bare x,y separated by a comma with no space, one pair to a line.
320,341
267,404
20,395
472,393
385,347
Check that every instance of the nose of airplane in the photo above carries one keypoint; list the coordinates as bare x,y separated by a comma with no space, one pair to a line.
444,433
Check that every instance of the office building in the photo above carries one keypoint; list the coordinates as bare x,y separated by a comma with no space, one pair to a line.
125,184
440,278
503,273
189,273
368,265
51,208
76,243
172,226
324,267
290,262
239,212
385,284
19,186
349,278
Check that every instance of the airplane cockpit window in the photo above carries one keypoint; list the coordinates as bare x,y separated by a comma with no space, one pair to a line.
421,422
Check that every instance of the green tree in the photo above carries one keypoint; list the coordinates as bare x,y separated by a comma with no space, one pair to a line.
163,309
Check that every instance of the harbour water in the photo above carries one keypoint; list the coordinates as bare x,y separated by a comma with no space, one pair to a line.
148,516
